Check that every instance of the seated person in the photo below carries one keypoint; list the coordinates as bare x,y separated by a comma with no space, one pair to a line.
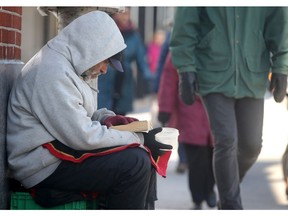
56,137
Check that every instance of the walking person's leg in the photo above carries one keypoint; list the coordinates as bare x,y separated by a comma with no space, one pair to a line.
249,114
122,177
200,176
221,112
195,174
182,163
210,179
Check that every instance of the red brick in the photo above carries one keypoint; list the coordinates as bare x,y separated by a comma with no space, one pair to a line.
4,35
17,10
8,36
17,53
10,53
9,20
2,19
18,39
6,20
16,23
11,37
1,52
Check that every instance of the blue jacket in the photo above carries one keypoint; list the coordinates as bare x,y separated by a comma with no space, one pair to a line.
135,52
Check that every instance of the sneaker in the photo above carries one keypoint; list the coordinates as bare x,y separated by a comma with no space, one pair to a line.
181,168
211,200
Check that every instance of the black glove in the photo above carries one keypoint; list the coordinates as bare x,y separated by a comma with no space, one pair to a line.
157,149
188,86
278,86
163,117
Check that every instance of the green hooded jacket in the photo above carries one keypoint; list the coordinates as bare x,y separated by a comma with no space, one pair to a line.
232,49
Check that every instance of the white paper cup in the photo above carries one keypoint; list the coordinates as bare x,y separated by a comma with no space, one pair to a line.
168,136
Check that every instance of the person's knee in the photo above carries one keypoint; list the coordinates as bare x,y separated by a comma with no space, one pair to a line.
225,143
250,150
138,161
250,144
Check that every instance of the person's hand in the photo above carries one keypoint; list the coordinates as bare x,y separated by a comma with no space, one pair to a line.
157,149
118,120
278,86
188,86
163,117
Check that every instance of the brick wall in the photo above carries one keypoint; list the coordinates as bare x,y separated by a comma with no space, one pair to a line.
10,33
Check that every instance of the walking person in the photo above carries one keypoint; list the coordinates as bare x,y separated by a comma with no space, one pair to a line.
194,135
117,90
225,54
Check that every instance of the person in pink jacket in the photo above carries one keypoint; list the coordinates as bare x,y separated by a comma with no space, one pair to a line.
154,49
194,134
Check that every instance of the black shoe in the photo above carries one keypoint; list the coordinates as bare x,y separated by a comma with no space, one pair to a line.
211,200
197,206
181,168
219,205
150,205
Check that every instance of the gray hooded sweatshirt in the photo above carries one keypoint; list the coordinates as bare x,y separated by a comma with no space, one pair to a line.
50,101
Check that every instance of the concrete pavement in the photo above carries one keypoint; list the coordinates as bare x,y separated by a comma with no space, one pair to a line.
263,187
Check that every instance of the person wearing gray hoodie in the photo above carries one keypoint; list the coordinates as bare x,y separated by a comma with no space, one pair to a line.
53,100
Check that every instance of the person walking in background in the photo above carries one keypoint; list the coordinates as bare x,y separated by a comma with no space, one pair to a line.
117,90
194,135
162,58
153,55
154,50
182,164
225,54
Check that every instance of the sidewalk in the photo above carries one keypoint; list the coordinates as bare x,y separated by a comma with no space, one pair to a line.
262,188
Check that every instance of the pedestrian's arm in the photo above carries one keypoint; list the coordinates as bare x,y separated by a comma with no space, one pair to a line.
184,38
275,35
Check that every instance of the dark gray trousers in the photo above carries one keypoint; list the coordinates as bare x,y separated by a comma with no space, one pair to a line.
237,128
124,179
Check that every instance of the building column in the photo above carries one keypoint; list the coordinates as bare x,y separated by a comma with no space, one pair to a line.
10,66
